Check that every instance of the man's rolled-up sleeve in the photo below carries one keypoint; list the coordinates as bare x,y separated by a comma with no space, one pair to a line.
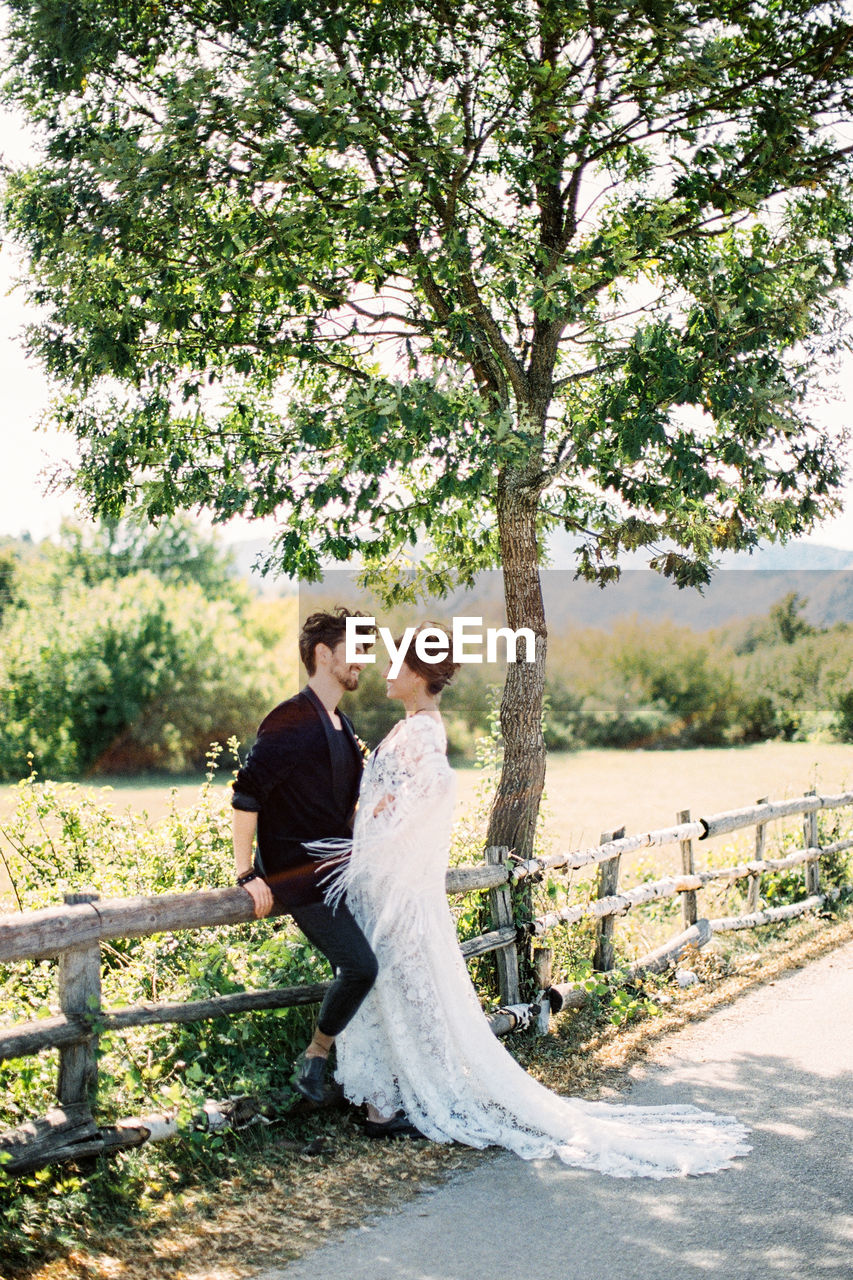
241,800
266,765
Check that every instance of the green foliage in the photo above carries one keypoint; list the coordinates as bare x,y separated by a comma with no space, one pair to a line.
175,551
844,715
8,579
785,624
798,689
645,684
654,685
641,685
628,999
127,648
63,837
779,888
389,269
127,675
787,620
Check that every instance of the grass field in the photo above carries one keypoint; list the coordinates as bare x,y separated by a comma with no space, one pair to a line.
593,792
589,792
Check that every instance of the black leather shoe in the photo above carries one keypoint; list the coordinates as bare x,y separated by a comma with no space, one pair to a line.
310,1077
399,1126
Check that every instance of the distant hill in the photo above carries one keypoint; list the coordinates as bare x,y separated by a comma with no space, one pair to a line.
747,586
808,556
733,595
797,555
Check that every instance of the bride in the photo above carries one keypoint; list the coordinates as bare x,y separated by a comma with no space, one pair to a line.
420,1052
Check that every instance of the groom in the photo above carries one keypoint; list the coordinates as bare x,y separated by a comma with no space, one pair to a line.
300,783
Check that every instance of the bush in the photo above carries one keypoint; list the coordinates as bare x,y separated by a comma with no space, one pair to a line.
844,715
641,685
801,686
128,675
63,837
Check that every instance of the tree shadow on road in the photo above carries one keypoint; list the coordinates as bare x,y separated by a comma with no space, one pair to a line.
783,1210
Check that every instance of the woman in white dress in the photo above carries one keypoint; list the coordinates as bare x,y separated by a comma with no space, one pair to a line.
420,1052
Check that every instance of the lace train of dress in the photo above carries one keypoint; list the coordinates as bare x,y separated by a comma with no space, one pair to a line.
420,1041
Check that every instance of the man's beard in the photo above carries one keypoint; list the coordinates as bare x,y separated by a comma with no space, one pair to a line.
349,680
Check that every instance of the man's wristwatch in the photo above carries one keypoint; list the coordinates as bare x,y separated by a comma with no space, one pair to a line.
246,877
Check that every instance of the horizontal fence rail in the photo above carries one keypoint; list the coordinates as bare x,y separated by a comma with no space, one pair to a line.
38,935
54,1033
580,858
701,829
672,886
772,915
723,824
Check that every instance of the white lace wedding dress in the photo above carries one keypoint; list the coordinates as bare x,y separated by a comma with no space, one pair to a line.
420,1040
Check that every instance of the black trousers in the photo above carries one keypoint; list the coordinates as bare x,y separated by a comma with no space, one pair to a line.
336,934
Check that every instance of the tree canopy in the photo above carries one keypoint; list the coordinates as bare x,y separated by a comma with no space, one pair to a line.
460,239
466,270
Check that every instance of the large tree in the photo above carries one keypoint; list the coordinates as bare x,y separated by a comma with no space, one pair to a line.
457,269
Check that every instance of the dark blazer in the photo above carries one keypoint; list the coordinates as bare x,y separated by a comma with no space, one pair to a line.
301,777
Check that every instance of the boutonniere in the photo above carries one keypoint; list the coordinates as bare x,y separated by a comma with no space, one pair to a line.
362,746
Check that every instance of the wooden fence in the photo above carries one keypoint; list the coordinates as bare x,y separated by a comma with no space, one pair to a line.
608,903
74,932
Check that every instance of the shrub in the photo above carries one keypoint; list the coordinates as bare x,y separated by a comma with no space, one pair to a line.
127,675
844,715
61,837
802,685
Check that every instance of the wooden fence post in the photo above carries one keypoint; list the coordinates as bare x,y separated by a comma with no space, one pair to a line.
811,837
688,898
500,902
542,957
608,880
753,895
79,993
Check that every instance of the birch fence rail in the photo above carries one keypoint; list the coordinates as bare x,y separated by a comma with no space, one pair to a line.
74,931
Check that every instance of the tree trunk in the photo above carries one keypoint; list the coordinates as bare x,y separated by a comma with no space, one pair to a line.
516,806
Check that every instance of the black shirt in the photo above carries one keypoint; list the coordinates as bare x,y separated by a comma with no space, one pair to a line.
301,777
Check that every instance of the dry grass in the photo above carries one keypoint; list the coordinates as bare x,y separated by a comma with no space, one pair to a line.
323,1176
592,791
589,1058
588,792
304,1188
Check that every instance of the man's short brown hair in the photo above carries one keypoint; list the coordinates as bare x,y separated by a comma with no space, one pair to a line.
323,628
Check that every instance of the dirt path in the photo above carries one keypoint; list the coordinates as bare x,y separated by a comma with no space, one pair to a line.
780,1059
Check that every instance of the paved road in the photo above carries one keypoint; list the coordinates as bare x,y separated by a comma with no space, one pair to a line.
781,1059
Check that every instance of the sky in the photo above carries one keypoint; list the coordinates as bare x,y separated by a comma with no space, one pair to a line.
31,449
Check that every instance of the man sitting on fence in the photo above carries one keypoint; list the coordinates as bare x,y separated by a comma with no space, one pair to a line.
299,784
